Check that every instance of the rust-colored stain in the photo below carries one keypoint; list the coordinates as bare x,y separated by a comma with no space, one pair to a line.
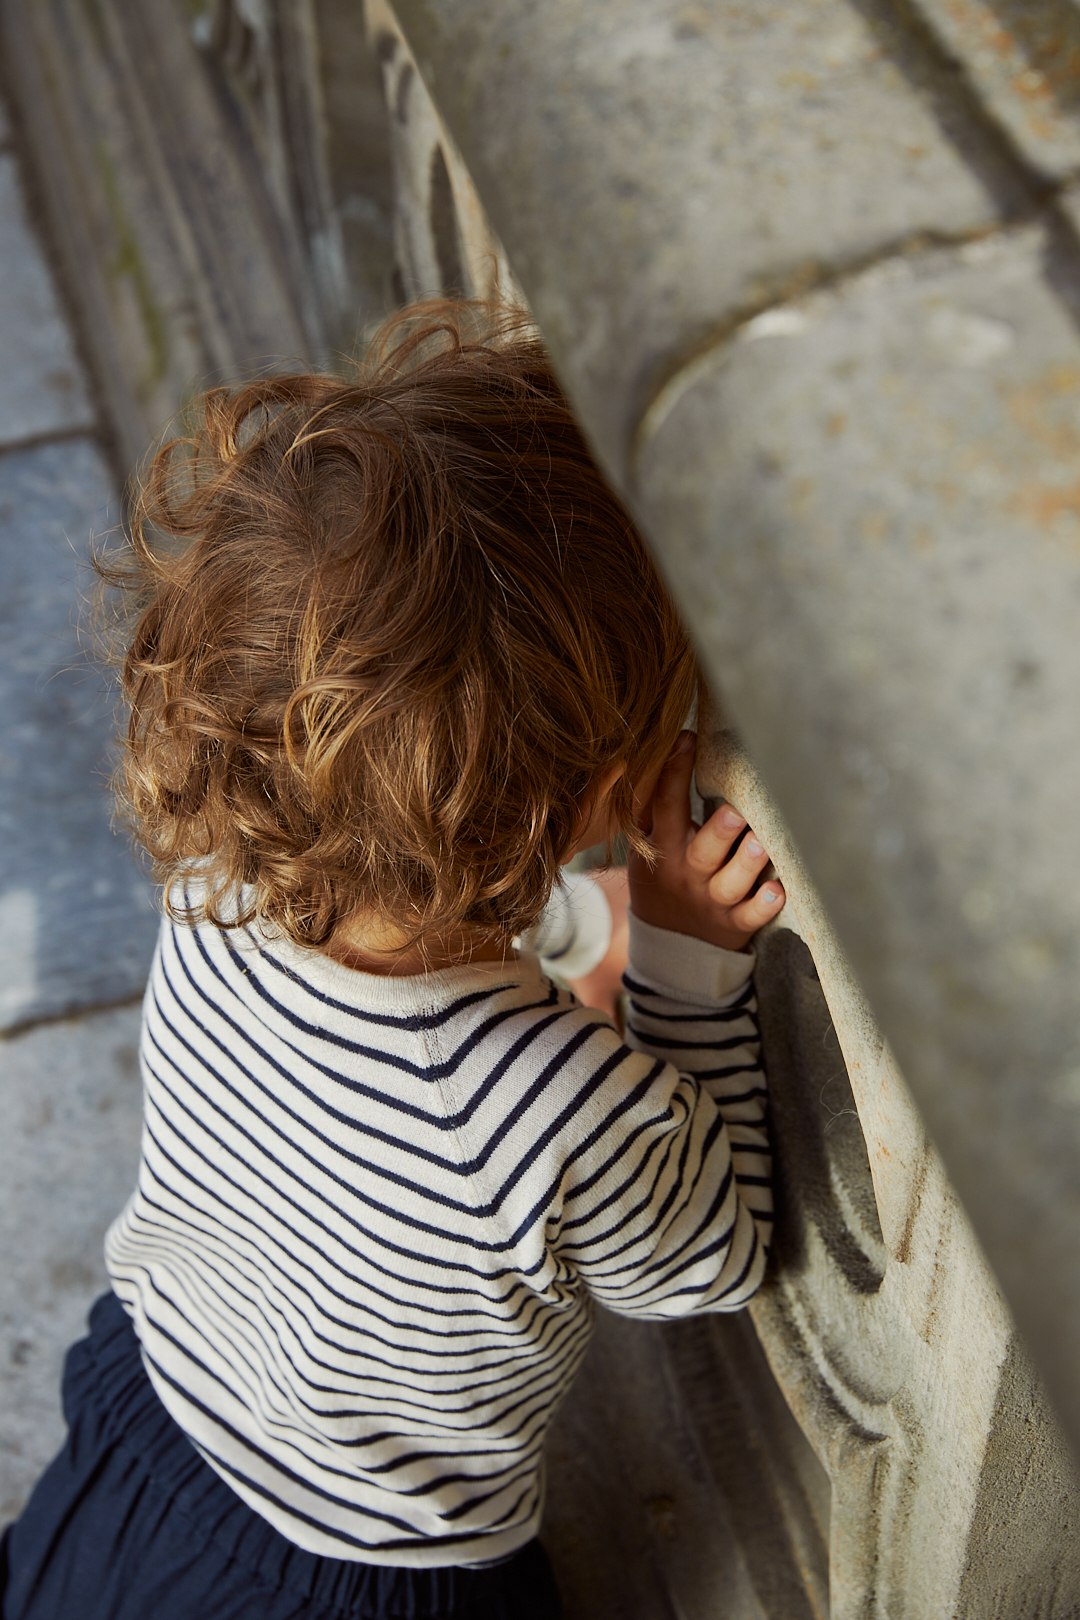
802,493
799,79
1032,85
1044,53
1047,410
902,1252
835,424
975,19
1046,503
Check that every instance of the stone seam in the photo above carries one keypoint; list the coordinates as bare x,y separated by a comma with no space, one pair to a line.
1042,199
802,284
13,1032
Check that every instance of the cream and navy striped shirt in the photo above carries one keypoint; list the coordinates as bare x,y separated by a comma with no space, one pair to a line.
373,1215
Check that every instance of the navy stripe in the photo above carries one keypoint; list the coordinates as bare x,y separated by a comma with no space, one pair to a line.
730,1015
733,1003
376,1055
528,1375
662,1044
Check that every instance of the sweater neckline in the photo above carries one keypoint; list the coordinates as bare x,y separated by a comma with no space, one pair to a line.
404,992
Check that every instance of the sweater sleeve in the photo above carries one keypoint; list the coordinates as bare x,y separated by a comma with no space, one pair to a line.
669,1205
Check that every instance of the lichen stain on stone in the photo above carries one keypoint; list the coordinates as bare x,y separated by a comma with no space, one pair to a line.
1048,504
1047,411
874,527
1045,59
975,20
902,1251
1032,85
92,12
127,262
1040,127
939,1276
802,494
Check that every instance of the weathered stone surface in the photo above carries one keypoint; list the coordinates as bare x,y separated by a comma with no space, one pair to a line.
354,230
72,1111
182,274
442,239
655,175
864,498
663,1497
1022,59
882,564
76,920
41,387
881,1319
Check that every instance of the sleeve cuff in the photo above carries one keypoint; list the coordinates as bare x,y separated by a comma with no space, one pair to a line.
684,968
575,929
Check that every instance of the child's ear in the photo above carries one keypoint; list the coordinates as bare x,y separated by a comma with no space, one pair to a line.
592,826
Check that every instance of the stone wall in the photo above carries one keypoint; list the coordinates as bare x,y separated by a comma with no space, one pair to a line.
795,277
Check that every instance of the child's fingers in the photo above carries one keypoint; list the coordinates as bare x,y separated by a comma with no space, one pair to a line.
737,876
671,799
711,844
759,909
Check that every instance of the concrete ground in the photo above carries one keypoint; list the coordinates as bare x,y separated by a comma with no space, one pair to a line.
76,917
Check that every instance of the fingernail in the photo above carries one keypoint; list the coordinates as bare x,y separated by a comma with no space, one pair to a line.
731,817
771,896
754,848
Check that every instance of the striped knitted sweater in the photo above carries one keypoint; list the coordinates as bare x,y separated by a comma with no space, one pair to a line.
373,1215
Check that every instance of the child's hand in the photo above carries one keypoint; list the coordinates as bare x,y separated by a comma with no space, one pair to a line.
704,882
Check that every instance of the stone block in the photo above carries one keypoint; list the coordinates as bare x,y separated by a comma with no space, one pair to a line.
656,175
1022,60
867,502
76,919
882,1321
72,1111
41,384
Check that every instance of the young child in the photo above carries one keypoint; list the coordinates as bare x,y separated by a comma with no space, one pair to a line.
399,654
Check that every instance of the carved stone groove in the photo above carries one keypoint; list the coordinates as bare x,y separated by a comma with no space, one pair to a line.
882,1322
442,239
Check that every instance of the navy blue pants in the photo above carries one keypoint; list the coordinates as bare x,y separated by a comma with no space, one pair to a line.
129,1523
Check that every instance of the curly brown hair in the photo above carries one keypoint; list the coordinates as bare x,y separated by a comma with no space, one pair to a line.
390,629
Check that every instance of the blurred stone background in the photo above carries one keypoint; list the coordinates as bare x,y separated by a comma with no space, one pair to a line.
76,918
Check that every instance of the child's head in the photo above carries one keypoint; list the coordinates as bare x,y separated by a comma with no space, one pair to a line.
392,630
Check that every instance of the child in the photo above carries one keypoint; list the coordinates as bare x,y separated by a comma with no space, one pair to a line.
399,655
